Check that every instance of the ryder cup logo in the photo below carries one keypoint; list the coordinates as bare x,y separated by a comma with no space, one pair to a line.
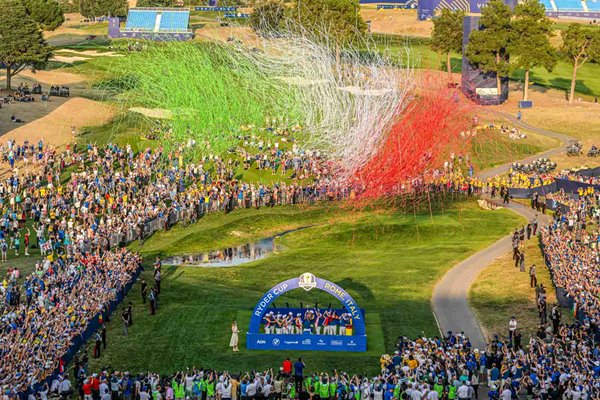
275,342
307,281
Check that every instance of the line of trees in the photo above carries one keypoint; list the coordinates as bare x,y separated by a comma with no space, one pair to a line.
338,22
100,8
515,40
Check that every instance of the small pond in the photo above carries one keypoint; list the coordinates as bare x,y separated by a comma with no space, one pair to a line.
230,257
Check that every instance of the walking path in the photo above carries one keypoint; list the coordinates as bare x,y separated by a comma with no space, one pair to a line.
450,304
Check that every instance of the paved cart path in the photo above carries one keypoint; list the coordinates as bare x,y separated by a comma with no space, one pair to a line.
450,295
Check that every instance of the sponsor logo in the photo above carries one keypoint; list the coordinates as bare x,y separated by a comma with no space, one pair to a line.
321,342
261,342
276,342
337,343
306,341
307,281
290,341
351,343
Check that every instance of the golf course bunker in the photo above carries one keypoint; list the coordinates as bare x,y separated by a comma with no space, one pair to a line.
232,256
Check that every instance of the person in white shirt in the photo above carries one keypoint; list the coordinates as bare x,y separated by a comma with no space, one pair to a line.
416,394
105,394
65,387
506,394
267,389
463,391
512,327
224,388
251,390
432,395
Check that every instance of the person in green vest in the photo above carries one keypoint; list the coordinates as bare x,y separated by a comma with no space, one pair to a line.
309,385
292,391
156,394
324,388
332,388
178,390
451,392
203,384
397,391
316,387
439,388
210,389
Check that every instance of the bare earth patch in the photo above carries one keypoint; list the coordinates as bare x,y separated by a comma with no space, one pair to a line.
52,78
55,128
216,32
397,22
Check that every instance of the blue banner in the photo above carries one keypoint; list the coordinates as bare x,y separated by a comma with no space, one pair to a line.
204,8
263,341
310,340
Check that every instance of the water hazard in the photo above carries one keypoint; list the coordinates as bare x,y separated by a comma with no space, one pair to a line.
230,257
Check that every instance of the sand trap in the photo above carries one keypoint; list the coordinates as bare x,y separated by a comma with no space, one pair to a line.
55,77
55,128
68,59
157,113
95,53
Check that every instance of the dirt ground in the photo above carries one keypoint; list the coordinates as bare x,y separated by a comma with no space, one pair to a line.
244,34
397,22
54,127
27,112
50,78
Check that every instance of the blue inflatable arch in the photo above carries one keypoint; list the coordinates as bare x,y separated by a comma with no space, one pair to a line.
308,281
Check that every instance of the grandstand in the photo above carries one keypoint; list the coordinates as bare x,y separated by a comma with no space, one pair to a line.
159,24
586,9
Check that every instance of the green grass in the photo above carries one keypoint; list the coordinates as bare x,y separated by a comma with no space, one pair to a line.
502,291
490,149
389,262
122,130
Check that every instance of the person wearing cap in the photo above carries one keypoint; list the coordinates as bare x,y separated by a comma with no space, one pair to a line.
87,390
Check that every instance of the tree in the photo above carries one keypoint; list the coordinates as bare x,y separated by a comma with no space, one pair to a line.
100,8
530,46
447,34
268,17
580,45
22,43
69,6
488,47
336,22
47,13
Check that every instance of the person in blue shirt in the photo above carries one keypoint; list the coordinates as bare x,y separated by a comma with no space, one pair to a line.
299,374
494,374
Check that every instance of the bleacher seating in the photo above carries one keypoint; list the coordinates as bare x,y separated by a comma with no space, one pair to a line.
157,20
174,20
141,20
547,4
569,5
593,5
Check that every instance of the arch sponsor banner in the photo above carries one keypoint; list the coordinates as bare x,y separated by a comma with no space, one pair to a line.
312,338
